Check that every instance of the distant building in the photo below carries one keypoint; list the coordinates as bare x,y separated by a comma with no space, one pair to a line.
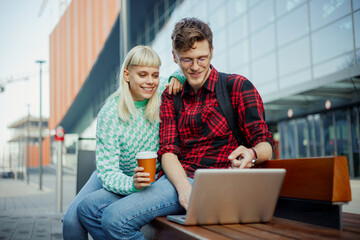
303,57
24,142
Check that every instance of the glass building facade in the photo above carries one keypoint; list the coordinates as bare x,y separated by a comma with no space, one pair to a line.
286,49
303,56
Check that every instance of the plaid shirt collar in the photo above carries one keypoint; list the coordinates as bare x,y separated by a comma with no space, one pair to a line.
209,83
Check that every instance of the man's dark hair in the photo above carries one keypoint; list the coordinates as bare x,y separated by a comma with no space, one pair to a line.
188,31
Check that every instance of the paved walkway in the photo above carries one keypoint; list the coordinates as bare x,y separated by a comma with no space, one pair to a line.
29,213
354,205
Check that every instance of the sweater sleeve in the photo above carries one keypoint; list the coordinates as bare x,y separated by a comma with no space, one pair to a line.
178,74
111,176
164,81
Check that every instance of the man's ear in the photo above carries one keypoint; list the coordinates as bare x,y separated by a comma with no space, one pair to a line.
211,52
126,75
174,57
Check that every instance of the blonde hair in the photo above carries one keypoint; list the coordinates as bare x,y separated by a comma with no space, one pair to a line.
142,56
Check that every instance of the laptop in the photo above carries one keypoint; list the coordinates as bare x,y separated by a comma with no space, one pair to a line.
229,196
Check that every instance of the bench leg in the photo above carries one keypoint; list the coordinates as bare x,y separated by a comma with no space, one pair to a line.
314,212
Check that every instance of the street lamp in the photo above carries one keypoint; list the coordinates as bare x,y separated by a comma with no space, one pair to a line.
28,145
40,127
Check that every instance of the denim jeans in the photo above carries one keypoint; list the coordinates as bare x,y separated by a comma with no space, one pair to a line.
72,228
109,216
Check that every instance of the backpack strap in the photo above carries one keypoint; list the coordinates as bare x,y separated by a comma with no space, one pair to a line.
223,97
177,104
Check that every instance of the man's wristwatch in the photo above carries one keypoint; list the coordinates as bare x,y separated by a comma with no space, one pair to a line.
253,162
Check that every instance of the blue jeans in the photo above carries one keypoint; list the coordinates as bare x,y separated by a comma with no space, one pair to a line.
72,228
110,216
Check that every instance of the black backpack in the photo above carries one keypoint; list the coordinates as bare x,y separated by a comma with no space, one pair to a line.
222,94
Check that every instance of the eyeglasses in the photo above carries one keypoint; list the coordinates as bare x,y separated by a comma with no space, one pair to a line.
187,62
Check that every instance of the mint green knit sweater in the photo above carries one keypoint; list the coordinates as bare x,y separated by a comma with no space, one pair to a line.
117,143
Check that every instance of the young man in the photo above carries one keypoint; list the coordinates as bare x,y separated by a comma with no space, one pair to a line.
202,138
199,137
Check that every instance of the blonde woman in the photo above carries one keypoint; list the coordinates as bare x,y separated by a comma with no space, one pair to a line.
127,123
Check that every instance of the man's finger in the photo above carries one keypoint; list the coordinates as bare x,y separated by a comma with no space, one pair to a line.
235,153
235,163
243,164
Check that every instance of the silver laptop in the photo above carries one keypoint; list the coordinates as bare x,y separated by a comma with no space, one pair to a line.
228,196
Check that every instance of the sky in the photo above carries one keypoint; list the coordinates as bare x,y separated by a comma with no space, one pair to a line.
24,39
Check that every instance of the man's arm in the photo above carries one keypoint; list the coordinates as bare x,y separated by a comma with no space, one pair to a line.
177,176
250,110
170,149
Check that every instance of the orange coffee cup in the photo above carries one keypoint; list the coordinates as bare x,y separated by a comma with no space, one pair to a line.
147,160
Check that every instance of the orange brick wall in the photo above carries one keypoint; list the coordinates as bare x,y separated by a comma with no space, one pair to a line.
75,44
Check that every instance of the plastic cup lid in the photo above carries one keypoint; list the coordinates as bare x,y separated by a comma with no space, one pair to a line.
146,155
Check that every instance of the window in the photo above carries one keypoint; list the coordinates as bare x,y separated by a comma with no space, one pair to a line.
217,19
356,140
333,40
341,133
238,54
334,65
357,28
235,8
219,41
303,139
238,30
294,57
356,5
326,11
283,140
220,62
261,15
264,69
291,139
201,9
312,136
293,25
329,134
285,6
263,42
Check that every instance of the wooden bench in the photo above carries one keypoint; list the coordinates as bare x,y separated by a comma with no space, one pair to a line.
314,189
311,198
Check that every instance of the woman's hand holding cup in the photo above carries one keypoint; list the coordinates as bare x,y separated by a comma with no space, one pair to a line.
145,172
141,179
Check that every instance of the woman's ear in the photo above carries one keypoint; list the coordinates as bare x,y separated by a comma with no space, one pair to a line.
126,75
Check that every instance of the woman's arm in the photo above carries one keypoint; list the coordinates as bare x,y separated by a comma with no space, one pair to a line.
108,152
174,82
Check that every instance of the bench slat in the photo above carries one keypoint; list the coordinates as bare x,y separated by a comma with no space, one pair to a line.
161,228
258,233
231,233
316,232
351,222
318,178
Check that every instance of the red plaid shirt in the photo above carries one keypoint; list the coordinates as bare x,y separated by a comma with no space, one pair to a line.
203,138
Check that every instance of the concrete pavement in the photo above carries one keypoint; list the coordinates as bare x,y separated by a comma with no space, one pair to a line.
29,213
354,205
